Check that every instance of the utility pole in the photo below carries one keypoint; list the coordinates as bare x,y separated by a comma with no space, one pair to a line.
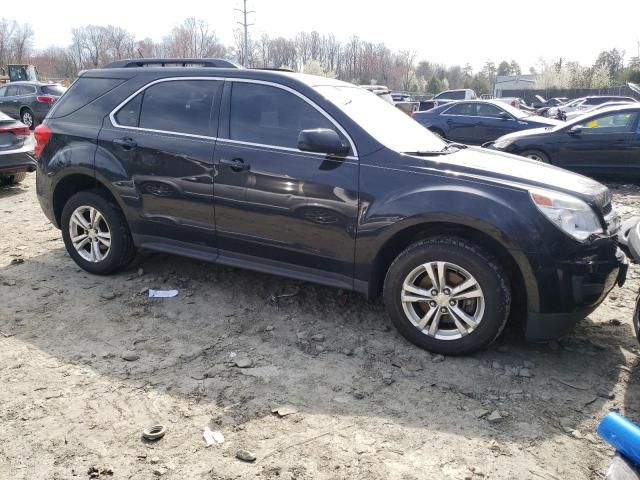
245,26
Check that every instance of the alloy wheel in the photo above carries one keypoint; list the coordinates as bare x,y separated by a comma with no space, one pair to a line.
27,119
442,300
90,233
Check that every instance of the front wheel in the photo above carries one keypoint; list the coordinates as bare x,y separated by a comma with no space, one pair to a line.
536,155
96,233
447,296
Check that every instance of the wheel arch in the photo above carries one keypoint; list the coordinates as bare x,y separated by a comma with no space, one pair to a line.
72,184
515,263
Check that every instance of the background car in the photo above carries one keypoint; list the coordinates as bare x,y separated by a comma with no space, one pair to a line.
606,142
585,103
16,146
478,121
29,101
578,113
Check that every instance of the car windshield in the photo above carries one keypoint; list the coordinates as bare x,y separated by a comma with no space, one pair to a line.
516,112
384,122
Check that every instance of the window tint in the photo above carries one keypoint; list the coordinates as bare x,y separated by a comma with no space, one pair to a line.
486,110
182,106
129,115
26,90
610,123
467,109
456,95
270,115
12,90
56,90
82,92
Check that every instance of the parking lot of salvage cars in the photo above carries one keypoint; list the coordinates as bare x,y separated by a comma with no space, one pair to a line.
86,363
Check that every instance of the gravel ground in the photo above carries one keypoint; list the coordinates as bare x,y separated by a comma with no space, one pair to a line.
86,363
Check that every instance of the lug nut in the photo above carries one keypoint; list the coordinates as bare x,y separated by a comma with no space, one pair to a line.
446,291
452,303
434,292
443,309
432,304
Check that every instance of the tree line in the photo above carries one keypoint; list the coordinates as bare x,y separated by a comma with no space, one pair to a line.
355,60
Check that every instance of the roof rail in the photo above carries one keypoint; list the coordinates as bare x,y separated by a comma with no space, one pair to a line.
174,62
271,69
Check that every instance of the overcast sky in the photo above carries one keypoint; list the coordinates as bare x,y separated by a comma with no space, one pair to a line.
450,32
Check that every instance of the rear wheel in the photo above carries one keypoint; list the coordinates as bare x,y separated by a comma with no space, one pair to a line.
536,155
26,116
96,233
447,295
13,178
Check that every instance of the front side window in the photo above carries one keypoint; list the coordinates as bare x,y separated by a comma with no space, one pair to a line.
180,106
271,116
3,91
611,123
486,110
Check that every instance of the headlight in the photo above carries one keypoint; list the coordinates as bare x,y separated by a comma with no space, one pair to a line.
500,144
569,214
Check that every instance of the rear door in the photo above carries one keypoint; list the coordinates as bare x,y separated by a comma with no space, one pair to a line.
607,143
164,139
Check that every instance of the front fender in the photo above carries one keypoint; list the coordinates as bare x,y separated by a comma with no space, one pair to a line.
485,210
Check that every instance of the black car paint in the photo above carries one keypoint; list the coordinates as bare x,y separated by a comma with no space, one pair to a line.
358,209
475,130
615,153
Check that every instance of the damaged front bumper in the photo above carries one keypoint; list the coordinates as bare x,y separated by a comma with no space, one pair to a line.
571,288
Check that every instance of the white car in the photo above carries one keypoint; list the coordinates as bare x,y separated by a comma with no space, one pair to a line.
583,104
579,112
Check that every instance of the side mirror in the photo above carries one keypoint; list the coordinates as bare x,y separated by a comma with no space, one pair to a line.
575,130
322,140
504,116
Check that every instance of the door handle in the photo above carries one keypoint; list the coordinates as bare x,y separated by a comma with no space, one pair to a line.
126,143
236,164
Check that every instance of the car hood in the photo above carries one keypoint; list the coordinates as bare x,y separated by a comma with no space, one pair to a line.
524,173
532,132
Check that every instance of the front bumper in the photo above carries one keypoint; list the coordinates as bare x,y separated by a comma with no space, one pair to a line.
573,288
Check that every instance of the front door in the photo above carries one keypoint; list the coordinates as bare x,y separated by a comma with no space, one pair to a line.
164,139
278,208
604,143
10,101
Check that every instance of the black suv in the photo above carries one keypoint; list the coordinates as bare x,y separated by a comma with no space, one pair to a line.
319,180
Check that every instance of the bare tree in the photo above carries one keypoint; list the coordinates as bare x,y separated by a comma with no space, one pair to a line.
21,42
194,38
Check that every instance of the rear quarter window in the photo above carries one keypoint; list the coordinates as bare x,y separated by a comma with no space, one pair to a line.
56,90
83,91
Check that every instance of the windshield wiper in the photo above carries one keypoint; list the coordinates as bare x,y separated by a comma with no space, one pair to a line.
457,146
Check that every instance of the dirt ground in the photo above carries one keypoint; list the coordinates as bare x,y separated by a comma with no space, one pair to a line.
86,363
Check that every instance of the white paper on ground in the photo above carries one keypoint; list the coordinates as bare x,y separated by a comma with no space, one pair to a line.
212,437
162,293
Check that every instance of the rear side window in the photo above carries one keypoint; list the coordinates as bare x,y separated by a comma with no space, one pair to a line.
459,95
12,90
27,90
56,90
270,115
83,91
180,106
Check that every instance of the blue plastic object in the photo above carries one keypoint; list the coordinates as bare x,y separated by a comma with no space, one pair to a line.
621,434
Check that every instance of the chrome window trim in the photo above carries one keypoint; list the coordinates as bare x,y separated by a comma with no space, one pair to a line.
115,124
285,149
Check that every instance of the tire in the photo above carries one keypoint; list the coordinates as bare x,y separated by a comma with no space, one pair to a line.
108,258
536,155
463,261
14,178
26,117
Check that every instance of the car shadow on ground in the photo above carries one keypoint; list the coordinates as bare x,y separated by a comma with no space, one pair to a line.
321,349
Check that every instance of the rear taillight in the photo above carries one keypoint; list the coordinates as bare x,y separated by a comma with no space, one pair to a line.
45,99
42,134
20,132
